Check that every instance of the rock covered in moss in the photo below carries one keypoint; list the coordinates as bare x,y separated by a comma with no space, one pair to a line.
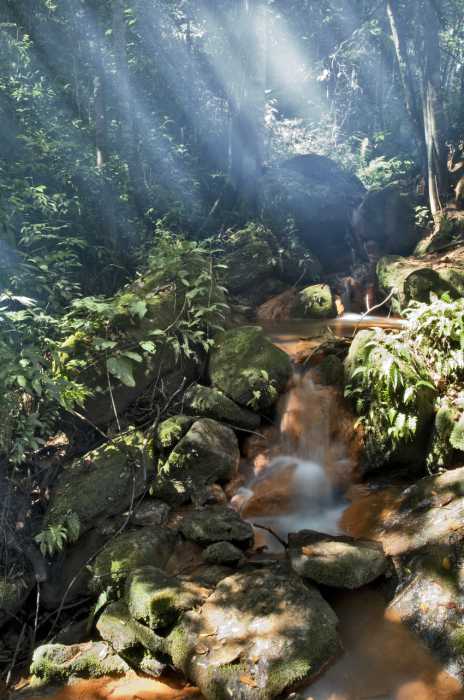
217,524
129,551
248,368
340,562
126,635
207,453
157,599
171,431
209,402
259,634
416,278
223,553
447,436
318,302
102,482
58,662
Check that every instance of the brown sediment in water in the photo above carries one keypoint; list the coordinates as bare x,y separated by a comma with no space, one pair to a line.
127,688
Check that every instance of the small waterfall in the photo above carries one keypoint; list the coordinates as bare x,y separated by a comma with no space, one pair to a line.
308,466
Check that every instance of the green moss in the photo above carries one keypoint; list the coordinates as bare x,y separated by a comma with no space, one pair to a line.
318,302
57,662
101,482
179,647
171,431
248,368
457,640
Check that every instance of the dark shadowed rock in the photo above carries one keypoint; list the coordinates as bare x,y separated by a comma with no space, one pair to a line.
222,553
207,454
256,636
209,402
340,562
217,524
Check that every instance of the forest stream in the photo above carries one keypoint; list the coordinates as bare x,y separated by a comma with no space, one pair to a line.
305,477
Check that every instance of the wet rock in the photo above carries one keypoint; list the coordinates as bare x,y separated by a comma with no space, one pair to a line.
208,453
330,371
318,302
248,368
126,635
340,562
129,551
222,553
217,524
256,636
157,599
101,483
57,662
208,402
387,217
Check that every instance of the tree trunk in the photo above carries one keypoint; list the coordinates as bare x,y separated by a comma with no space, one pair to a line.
432,107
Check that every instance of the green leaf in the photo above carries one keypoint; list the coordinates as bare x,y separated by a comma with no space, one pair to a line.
132,355
122,369
148,346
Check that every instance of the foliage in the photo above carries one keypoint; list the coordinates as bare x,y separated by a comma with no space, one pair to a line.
386,387
382,171
56,536
263,387
32,390
120,329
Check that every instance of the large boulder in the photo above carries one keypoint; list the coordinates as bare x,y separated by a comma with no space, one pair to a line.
209,402
217,524
208,453
102,482
336,561
416,278
422,531
318,198
248,368
259,634
387,217
260,264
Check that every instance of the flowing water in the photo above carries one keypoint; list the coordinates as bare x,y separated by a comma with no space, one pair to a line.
300,479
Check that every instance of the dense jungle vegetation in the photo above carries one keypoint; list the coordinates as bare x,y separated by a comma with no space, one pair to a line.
168,168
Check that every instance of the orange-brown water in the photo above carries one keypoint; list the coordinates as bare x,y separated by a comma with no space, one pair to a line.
129,688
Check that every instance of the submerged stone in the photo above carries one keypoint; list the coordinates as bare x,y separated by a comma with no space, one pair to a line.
339,562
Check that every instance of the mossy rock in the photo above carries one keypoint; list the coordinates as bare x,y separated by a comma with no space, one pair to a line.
216,524
446,432
126,635
318,302
58,662
248,368
102,482
259,634
171,431
208,453
415,279
209,402
339,562
157,600
128,551
223,553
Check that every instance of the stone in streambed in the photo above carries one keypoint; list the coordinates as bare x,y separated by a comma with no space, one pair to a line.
211,403
339,562
317,302
117,627
129,551
157,599
247,367
217,524
222,553
58,662
208,453
259,634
